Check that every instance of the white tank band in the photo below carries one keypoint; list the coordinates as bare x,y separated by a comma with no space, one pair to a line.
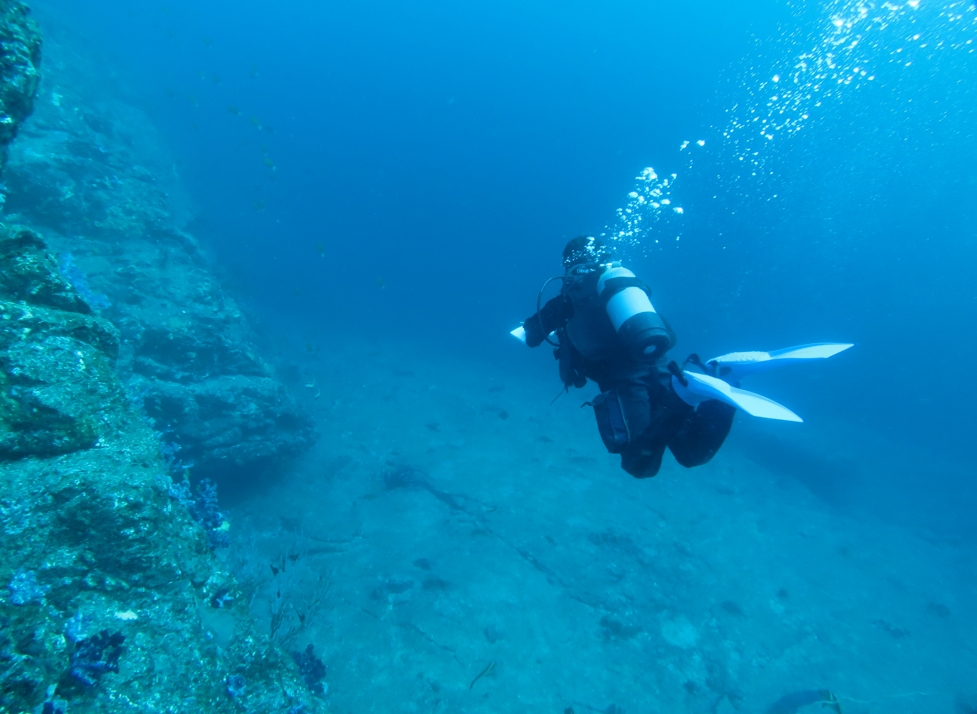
626,304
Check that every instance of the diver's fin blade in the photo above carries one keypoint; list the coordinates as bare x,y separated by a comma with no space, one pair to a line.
818,350
737,365
702,387
760,406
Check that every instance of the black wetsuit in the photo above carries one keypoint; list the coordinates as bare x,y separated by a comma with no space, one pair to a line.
634,385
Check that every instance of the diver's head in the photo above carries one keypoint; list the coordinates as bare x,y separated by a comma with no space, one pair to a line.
584,251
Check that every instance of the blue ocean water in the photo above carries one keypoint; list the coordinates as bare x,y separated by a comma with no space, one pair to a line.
387,185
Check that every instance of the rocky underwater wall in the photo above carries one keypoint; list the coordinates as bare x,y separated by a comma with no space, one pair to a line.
111,596
90,173
19,70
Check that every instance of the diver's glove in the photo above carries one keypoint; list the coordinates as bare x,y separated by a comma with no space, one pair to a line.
534,331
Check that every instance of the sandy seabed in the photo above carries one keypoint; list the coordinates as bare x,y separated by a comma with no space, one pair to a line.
484,554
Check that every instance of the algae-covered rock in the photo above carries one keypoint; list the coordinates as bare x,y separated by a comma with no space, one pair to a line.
90,172
94,544
57,366
52,390
111,599
31,274
19,69
221,423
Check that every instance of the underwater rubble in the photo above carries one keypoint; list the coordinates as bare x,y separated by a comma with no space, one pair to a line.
111,596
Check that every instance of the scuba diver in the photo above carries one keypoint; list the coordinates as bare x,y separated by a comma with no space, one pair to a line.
608,331
604,328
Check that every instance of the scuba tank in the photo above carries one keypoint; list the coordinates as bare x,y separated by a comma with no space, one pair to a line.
626,300
611,308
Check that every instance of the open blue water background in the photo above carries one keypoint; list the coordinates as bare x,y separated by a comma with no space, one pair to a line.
413,169
407,173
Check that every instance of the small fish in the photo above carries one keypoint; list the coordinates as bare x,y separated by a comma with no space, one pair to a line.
233,110
322,249
380,283
254,71
269,163
259,205
484,673
193,100
169,92
206,41
215,78
256,121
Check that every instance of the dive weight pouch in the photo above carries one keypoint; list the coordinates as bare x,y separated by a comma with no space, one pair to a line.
611,423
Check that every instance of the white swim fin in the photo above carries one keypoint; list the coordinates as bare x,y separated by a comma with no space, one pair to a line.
729,369
736,365
701,387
